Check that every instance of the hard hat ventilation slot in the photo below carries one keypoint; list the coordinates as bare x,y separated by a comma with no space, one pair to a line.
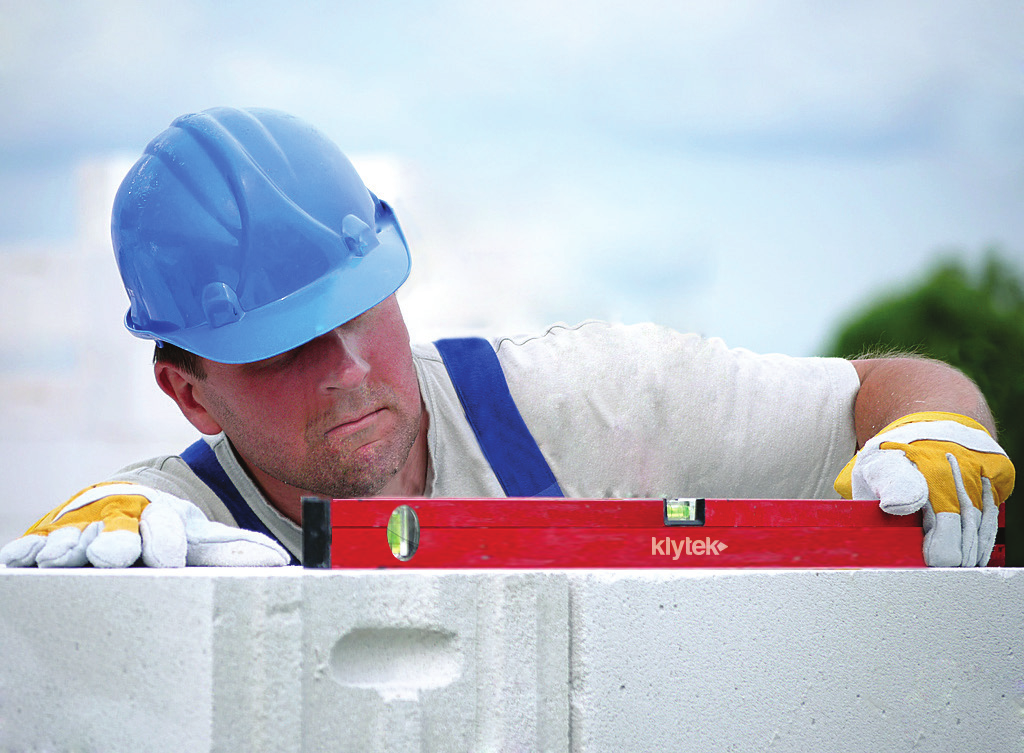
359,237
220,304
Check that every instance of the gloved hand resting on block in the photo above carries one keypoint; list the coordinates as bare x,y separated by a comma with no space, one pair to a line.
946,465
112,524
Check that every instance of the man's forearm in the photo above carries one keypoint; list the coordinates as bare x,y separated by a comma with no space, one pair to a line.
895,387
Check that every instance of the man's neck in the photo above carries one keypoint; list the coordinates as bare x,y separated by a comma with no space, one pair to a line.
410,481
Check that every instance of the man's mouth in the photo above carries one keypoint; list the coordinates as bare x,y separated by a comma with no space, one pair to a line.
347,428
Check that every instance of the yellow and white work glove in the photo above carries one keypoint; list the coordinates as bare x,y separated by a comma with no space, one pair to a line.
946,465
113,524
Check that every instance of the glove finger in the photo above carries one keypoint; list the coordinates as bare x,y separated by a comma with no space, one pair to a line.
942,538
259,551
970,517
22,552
119,548
213,544
844,481
163,536
893,479
989,523
66,546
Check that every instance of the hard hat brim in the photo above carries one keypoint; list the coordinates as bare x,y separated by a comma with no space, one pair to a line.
274,328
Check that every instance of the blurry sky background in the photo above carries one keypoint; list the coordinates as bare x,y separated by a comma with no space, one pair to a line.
750,170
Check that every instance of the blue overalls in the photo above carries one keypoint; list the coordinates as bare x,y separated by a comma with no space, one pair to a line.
482,389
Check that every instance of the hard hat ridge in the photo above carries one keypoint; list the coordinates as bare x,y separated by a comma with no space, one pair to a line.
244,233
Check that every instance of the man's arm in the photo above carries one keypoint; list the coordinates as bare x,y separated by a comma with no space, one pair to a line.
926,442
891,388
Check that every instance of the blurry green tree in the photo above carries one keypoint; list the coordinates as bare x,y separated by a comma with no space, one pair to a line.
972,319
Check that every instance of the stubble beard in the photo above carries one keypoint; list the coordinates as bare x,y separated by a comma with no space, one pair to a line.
350,471
362,471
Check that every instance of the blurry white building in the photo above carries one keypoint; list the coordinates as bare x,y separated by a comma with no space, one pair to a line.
77,395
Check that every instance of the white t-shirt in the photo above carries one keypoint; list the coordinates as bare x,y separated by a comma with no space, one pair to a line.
617,411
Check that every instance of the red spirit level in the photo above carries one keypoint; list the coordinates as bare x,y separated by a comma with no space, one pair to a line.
609,533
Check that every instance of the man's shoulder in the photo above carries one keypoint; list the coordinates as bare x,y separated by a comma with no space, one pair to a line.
565,356
590,335
586,329
598,345
173,474
169,473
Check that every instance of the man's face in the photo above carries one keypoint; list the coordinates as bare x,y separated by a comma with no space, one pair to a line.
336,416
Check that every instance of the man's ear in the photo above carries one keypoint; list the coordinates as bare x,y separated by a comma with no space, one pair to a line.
180,387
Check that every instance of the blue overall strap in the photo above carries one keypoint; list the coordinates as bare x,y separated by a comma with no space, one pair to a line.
201,459
500,430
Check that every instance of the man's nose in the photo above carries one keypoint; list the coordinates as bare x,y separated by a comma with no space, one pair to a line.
345,368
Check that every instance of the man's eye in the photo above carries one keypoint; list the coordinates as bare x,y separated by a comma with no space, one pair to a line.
276,362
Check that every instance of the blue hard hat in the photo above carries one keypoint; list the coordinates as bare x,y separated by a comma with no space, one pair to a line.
241,234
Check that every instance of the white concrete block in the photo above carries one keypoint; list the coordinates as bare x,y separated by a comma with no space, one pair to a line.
703,660
283,660
868,660
421,660
92,662
258,660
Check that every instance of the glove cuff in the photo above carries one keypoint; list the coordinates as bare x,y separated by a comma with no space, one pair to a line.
913,418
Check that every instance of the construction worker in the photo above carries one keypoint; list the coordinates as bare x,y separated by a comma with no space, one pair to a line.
265,271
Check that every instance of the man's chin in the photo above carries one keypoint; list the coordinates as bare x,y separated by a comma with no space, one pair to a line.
367,479
365,463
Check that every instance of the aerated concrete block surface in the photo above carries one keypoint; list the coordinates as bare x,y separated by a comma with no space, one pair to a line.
747,660
422,660
282,660
580,660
